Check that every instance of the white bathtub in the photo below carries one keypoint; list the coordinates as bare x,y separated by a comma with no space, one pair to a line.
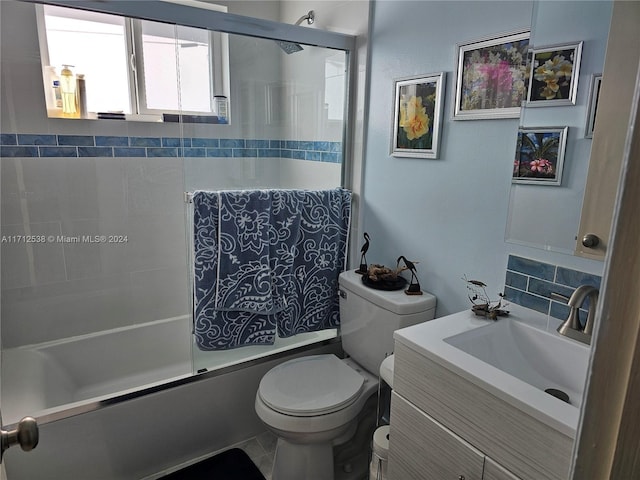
42,379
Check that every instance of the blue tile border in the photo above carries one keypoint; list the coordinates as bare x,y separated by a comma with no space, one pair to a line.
18,151
145,142
63,145
205,142
8,139
58,151
256,143
76,140
530,283
95,151
232,143
34,139
111,141
129,152
162,152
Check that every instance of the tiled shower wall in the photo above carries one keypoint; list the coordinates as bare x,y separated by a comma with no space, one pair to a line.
48,145
64,187
530,283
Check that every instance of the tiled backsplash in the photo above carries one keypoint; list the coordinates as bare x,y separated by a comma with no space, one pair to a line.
48,145
530,283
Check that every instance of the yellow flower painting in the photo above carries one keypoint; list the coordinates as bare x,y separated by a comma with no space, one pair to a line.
414,118
418,110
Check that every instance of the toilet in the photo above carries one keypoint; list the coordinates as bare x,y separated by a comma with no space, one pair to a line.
316,402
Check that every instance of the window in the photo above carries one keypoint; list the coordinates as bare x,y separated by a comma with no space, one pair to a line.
135,67
170,56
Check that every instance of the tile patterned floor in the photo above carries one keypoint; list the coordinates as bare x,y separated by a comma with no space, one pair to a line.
261,450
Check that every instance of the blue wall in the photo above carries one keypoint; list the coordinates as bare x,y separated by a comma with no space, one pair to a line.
448,214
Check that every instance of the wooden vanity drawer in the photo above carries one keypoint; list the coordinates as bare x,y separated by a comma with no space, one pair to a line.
422,449
493,471
524,445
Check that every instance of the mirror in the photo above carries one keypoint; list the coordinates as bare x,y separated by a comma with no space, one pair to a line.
546,214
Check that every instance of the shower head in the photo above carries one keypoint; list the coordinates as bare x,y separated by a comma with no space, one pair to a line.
290,47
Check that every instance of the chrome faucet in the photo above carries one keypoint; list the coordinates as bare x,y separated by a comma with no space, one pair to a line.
571,327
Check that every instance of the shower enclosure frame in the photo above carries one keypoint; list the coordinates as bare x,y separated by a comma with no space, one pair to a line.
184,15
223,22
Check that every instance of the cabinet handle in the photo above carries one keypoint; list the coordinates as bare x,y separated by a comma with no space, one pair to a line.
461,477
590,240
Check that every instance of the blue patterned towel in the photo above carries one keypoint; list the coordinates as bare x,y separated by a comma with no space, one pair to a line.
213,329
257,233
267,259
321,255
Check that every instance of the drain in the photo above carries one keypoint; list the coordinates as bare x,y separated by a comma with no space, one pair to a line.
559,394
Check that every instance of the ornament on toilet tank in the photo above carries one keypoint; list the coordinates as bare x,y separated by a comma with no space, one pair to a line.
380,277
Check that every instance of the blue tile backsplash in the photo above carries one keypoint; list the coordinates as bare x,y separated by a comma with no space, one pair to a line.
530,283
48,145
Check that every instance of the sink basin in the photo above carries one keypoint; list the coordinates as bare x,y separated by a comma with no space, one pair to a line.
542,359
514,359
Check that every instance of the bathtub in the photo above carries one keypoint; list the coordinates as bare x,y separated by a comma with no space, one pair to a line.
125,405
42,379
77,373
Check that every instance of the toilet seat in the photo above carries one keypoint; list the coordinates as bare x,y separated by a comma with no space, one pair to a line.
311,386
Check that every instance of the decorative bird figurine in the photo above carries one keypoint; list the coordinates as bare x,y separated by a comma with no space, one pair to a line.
363,259
414,284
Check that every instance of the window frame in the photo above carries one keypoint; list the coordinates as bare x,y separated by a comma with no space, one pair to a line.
218,64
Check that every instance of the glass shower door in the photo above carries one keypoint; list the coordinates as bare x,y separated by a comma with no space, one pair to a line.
287,113
95,301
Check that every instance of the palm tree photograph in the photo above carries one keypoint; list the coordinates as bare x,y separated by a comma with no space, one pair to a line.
540,155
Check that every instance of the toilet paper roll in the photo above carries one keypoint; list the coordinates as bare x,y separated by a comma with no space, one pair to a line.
381,442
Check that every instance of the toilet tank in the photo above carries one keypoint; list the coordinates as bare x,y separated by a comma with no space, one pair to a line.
368,318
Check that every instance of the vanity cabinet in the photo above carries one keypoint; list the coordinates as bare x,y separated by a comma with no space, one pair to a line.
424,449
494,471
444,426
612,122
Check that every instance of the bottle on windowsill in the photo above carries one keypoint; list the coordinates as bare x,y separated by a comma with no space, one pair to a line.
53,95
221,107
81,94
68,89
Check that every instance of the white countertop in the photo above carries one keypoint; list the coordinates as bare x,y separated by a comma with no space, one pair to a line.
428,339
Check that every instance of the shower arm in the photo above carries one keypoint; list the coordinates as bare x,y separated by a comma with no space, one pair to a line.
309,17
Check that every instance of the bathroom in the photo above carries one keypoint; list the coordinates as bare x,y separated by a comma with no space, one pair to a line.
448,213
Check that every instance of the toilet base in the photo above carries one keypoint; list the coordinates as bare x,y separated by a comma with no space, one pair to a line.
297,461
345,457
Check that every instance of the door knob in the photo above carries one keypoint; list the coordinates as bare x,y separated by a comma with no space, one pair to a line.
26,435
590,240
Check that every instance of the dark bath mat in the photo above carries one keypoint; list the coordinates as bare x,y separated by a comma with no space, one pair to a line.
232,464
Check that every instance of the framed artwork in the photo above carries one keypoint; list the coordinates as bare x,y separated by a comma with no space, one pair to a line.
540,155
417,119
554,75
492,77
594,94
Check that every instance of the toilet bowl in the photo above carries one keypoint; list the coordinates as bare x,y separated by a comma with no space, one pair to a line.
315,403
312,404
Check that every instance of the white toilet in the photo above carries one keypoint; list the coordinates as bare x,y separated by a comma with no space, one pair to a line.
313,403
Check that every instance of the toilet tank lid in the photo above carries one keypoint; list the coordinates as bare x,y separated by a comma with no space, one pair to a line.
396,301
